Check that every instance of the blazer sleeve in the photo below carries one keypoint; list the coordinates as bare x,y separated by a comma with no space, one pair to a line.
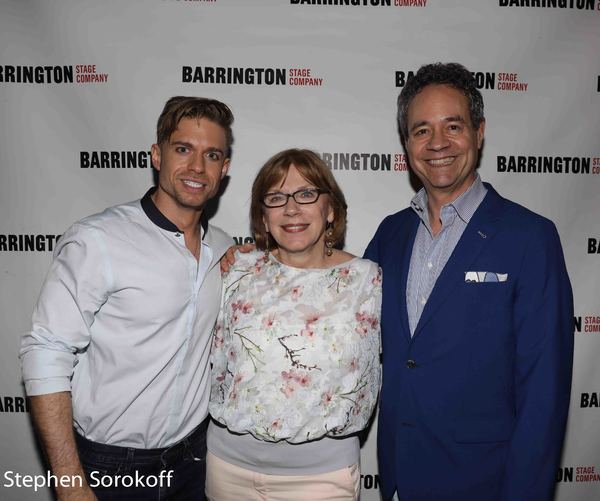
372,250
543,323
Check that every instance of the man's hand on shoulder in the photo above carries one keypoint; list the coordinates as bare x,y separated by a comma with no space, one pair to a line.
228,259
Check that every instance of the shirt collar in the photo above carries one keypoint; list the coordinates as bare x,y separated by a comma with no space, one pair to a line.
465,205
159,219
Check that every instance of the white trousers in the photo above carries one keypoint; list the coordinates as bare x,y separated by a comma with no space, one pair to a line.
227,482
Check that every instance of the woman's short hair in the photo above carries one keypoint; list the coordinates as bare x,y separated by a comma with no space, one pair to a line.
310,167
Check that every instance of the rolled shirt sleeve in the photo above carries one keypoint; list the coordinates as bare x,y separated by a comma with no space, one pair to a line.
75,288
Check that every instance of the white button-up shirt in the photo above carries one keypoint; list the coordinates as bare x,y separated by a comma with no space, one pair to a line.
124,322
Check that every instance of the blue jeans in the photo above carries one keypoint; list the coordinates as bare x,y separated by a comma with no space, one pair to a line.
175,473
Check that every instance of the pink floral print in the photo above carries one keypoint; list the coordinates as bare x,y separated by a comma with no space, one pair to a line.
295,352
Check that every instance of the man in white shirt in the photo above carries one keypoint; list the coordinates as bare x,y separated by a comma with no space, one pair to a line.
119,347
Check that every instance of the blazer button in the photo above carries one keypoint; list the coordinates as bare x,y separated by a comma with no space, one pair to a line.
411,364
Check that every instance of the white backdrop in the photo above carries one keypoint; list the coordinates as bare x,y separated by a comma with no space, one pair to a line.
81,77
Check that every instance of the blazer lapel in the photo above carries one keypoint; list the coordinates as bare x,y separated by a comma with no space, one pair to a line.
406,242
473,241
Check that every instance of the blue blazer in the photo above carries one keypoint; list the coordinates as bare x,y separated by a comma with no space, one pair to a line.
474,406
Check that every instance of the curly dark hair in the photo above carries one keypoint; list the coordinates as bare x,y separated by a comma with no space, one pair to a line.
453,74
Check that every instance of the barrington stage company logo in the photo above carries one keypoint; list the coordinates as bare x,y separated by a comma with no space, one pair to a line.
529,164
372,162
556,4
115,159
504,81
28,243
79,73
363,3
589,324
580,473
14,404
369,481
588,400
593,246
243,240
298,77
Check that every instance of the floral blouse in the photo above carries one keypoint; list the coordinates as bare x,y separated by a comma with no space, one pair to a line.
296,351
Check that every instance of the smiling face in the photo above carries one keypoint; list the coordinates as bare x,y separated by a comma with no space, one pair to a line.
442,144
190,165
298,229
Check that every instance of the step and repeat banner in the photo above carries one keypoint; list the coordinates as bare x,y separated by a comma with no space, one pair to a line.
82,83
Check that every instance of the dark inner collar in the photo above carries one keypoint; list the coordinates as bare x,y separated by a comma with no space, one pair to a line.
159,219
156,216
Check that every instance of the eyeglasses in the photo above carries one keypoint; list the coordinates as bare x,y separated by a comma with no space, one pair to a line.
304,196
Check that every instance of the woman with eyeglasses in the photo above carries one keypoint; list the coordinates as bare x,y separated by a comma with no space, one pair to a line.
296,368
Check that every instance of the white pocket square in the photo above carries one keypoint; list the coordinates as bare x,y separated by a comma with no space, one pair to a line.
485,276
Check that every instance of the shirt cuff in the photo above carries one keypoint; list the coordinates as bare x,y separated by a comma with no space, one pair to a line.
34,387
47,371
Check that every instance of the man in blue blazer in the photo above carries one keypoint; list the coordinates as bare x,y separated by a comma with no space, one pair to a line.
477,318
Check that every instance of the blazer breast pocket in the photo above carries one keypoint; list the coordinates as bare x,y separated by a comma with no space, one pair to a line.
488,309
487,296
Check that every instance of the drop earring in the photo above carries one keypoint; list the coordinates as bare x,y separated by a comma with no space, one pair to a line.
266,255
329,239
